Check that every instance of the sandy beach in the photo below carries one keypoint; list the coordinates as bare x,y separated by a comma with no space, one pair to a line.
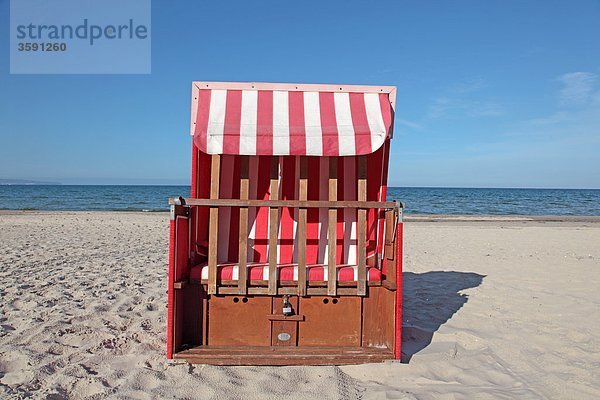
493,308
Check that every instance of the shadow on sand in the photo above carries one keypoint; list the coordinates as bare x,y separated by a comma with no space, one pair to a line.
429,300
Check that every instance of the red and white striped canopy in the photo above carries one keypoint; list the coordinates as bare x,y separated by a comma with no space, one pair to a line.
289,119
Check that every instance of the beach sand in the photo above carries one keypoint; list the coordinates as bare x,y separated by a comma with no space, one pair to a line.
493,308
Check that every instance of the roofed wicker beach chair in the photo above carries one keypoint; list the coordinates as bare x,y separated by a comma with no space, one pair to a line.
287,251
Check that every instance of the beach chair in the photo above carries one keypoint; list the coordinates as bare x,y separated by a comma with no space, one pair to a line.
287,251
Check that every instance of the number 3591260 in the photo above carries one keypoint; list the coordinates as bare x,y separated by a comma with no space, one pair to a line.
23,46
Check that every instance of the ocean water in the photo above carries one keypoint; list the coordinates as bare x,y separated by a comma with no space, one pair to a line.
464,201
89,197
468,201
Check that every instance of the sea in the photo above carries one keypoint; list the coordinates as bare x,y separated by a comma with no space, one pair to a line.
417,200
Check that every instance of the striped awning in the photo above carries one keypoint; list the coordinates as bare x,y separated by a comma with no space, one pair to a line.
288,119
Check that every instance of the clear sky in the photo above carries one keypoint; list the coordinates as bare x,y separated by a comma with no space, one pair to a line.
490,93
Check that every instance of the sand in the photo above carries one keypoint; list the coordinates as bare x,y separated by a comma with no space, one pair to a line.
494,308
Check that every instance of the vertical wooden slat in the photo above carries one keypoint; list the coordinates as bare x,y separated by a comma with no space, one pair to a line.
332,230
204,340
362,227
303,196
215,172
390,216
243,249
273,215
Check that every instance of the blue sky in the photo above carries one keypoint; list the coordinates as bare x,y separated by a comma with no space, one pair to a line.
490,93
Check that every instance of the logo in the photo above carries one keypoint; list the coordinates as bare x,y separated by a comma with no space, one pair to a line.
80,37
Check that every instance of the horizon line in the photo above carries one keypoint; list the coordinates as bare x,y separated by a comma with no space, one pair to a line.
41,183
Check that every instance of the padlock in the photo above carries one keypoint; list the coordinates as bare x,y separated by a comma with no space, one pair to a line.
287,306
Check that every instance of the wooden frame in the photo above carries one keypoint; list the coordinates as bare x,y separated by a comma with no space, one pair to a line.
377,338
284,355
285,203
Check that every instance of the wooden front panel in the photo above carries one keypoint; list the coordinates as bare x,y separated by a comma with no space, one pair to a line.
379,318
329,321
284,327
241,323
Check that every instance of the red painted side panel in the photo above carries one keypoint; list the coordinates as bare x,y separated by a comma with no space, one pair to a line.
179,269
170,296
194,194
182,272
399,257
194,170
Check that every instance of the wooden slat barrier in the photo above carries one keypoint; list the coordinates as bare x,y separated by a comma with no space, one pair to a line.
362,228
332,230
274,203
273,223
243,249
303,195
215,169
286,203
